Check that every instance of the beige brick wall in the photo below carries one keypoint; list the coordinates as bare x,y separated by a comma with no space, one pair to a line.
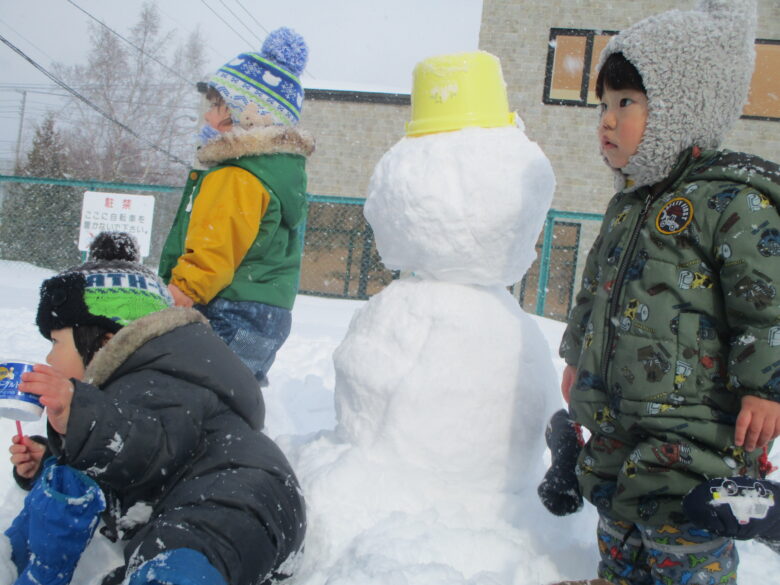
351,138
353,135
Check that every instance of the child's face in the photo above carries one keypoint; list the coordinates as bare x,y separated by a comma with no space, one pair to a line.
218,117
64,356
622,124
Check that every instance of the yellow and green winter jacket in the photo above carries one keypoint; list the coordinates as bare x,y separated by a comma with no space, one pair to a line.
235,235
677,319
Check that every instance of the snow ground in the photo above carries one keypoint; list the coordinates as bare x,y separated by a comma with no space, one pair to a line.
436,545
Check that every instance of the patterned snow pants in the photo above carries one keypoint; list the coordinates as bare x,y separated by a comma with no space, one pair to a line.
632,554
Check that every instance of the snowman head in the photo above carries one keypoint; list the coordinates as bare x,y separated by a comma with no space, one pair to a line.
465,206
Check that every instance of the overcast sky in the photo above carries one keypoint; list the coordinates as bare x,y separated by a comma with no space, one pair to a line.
353,44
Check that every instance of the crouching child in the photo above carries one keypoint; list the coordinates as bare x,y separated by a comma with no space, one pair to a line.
145,401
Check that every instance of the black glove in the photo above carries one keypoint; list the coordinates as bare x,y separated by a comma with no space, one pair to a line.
560,490
737,507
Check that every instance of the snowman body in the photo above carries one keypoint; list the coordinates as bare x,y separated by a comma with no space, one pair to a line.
443,369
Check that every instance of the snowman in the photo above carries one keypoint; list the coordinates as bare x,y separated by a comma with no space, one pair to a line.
442,366
443,383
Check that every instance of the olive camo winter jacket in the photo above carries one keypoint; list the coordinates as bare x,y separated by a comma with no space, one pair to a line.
677,318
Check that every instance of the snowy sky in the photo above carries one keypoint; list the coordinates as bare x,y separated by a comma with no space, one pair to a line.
353,44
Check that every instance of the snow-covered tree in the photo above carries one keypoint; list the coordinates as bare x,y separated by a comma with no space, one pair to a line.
39,223
146,85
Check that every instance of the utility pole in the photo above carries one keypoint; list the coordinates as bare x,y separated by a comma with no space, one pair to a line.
21,125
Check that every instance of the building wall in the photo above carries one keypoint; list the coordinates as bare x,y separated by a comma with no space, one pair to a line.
352,131
518,33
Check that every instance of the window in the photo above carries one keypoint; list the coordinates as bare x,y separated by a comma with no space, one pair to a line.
764,98
571,66
573,54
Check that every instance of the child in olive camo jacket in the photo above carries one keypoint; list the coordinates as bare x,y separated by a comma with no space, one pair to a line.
672,347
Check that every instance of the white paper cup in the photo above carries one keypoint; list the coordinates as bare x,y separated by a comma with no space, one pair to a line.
15,404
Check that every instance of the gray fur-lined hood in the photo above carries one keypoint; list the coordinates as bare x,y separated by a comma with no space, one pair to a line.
696,67
259,140
178,343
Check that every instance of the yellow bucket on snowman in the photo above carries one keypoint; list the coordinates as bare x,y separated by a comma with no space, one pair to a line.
452,92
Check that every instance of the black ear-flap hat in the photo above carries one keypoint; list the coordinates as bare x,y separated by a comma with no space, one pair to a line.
110,290
62,305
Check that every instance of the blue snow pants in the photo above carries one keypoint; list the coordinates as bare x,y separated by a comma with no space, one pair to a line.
181,566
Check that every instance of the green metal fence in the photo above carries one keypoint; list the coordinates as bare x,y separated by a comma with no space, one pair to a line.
340,259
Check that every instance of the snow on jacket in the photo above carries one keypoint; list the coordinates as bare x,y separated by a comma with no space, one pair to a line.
677,318
169,418
234,235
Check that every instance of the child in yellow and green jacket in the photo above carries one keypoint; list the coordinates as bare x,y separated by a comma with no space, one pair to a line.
234,249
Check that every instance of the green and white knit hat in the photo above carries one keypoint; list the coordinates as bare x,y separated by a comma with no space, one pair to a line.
255,85
110,290
696,66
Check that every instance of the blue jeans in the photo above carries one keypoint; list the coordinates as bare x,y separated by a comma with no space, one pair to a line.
254,331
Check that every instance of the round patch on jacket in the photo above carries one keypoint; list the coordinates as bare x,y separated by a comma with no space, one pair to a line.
675,216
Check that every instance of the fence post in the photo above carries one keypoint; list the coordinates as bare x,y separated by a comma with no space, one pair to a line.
365,263
544,265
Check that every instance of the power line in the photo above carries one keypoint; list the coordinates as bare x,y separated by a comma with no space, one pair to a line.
21,36
32,86
179,24
246,26
227,24
252,17
257,22
92,105
129,42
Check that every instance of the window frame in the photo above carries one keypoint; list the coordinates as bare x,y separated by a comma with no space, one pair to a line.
589,35
588,56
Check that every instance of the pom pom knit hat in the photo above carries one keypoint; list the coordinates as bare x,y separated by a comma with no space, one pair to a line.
110,290
696,67
254,85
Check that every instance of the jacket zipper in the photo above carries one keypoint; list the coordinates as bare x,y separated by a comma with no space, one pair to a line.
618,285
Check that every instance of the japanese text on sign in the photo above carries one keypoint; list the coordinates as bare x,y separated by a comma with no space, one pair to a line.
116,212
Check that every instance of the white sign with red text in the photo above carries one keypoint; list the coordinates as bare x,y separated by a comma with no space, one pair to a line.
116,212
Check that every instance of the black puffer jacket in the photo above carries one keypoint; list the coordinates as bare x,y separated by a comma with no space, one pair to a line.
168,421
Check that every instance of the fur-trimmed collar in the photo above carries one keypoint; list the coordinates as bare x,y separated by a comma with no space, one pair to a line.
128,339
260,140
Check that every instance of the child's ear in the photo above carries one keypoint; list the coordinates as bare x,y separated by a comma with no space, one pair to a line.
106,337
